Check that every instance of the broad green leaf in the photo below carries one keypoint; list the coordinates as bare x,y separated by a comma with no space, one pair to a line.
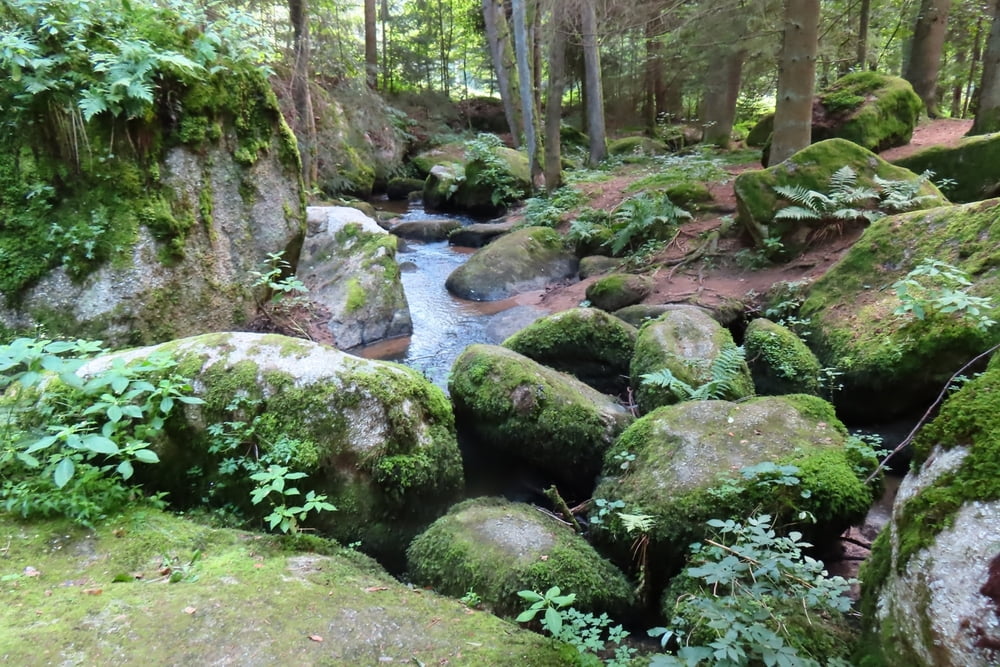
553,620
99,445
125,469
64,472
146,456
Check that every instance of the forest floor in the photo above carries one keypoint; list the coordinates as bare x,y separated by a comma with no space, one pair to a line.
717,279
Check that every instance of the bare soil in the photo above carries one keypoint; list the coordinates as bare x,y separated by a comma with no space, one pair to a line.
717,280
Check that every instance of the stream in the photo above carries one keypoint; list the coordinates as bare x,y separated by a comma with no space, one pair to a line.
443,325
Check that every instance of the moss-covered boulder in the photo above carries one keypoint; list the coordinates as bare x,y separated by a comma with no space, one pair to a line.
618,291
433,229
700,459
780,363
760,134
587,343
686,341
398,189
148,234
874,110
812,168
973,165
496,548
525,260
893,364
349,266
931,588
376,437
518,408
641,313
464,177
627,146
595,265
479,234
452,153
241,598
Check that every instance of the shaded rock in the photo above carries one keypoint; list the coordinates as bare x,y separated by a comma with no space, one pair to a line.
685,453
520,409
483,114
637,146
349,265
931,587
509,321
595,265
376,437
527,259
313,608
893,364
811,168
760,134
640,313
572,137
874,110
426,230
399,189
442,181
686,341
479,234
779,361
497,548
587,343
458,180
453,153
973,166
619,290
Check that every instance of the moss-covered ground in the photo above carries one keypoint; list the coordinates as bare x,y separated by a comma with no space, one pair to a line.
70,595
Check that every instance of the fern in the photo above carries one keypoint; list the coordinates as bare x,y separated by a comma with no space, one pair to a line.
642,218
723,374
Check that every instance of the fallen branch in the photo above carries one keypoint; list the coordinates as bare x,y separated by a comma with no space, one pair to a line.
552,493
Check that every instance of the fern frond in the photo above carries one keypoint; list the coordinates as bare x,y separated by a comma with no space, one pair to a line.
843,179
795,194
796,213
667,380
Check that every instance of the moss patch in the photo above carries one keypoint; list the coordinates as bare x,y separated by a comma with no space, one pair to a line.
779,361
973,166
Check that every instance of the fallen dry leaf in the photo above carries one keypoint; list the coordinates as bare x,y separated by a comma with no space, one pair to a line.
315,638
93,591
190,610
376,589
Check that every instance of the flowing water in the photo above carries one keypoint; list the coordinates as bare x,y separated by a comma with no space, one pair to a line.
443,325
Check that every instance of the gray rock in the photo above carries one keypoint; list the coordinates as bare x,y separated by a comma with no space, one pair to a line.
426,230
525,260
479,234
349,265
595,265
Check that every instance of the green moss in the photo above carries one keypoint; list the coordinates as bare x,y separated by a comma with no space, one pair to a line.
356,296
618,290
779,361
632,145
973,166
497,548
888,118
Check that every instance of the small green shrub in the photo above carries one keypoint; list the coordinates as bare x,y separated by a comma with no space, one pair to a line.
935,287
548,211
494,174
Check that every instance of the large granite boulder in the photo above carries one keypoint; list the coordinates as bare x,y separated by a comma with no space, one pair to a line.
519,409
972,167
466,177
587,343
780,363
893,364
496,548
813,168
874,110
686,341
521,261
377,438
349,265
931,587
240,598
618,290
698,460
155,238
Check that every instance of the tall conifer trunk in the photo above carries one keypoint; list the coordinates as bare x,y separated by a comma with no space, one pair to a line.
796,80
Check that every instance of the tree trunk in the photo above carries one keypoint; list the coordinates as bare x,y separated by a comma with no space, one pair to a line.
796,75
553,103
653,74
863,20
305,121
722,90
371,45
386,65
523,48
988,113
977,56
594,88
924,62
500,51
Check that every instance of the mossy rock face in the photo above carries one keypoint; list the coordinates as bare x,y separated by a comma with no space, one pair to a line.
641,313
929,588
637,146
516,407
376,437
687,455
779,361
152,233
426,230
442,182
595,265
760,134
572,137
587,343
349,266
686,341
453,153
496,548
456,181
524,260
811,168
399,189
248,599
618,291
893,364
874,110
973,165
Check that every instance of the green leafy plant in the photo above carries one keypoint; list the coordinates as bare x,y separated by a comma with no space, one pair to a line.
589,634
69,442
547,211
272,484
642,218
471,599
492,172
727,366
936,287
747,580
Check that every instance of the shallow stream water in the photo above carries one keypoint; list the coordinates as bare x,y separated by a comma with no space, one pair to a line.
443,325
